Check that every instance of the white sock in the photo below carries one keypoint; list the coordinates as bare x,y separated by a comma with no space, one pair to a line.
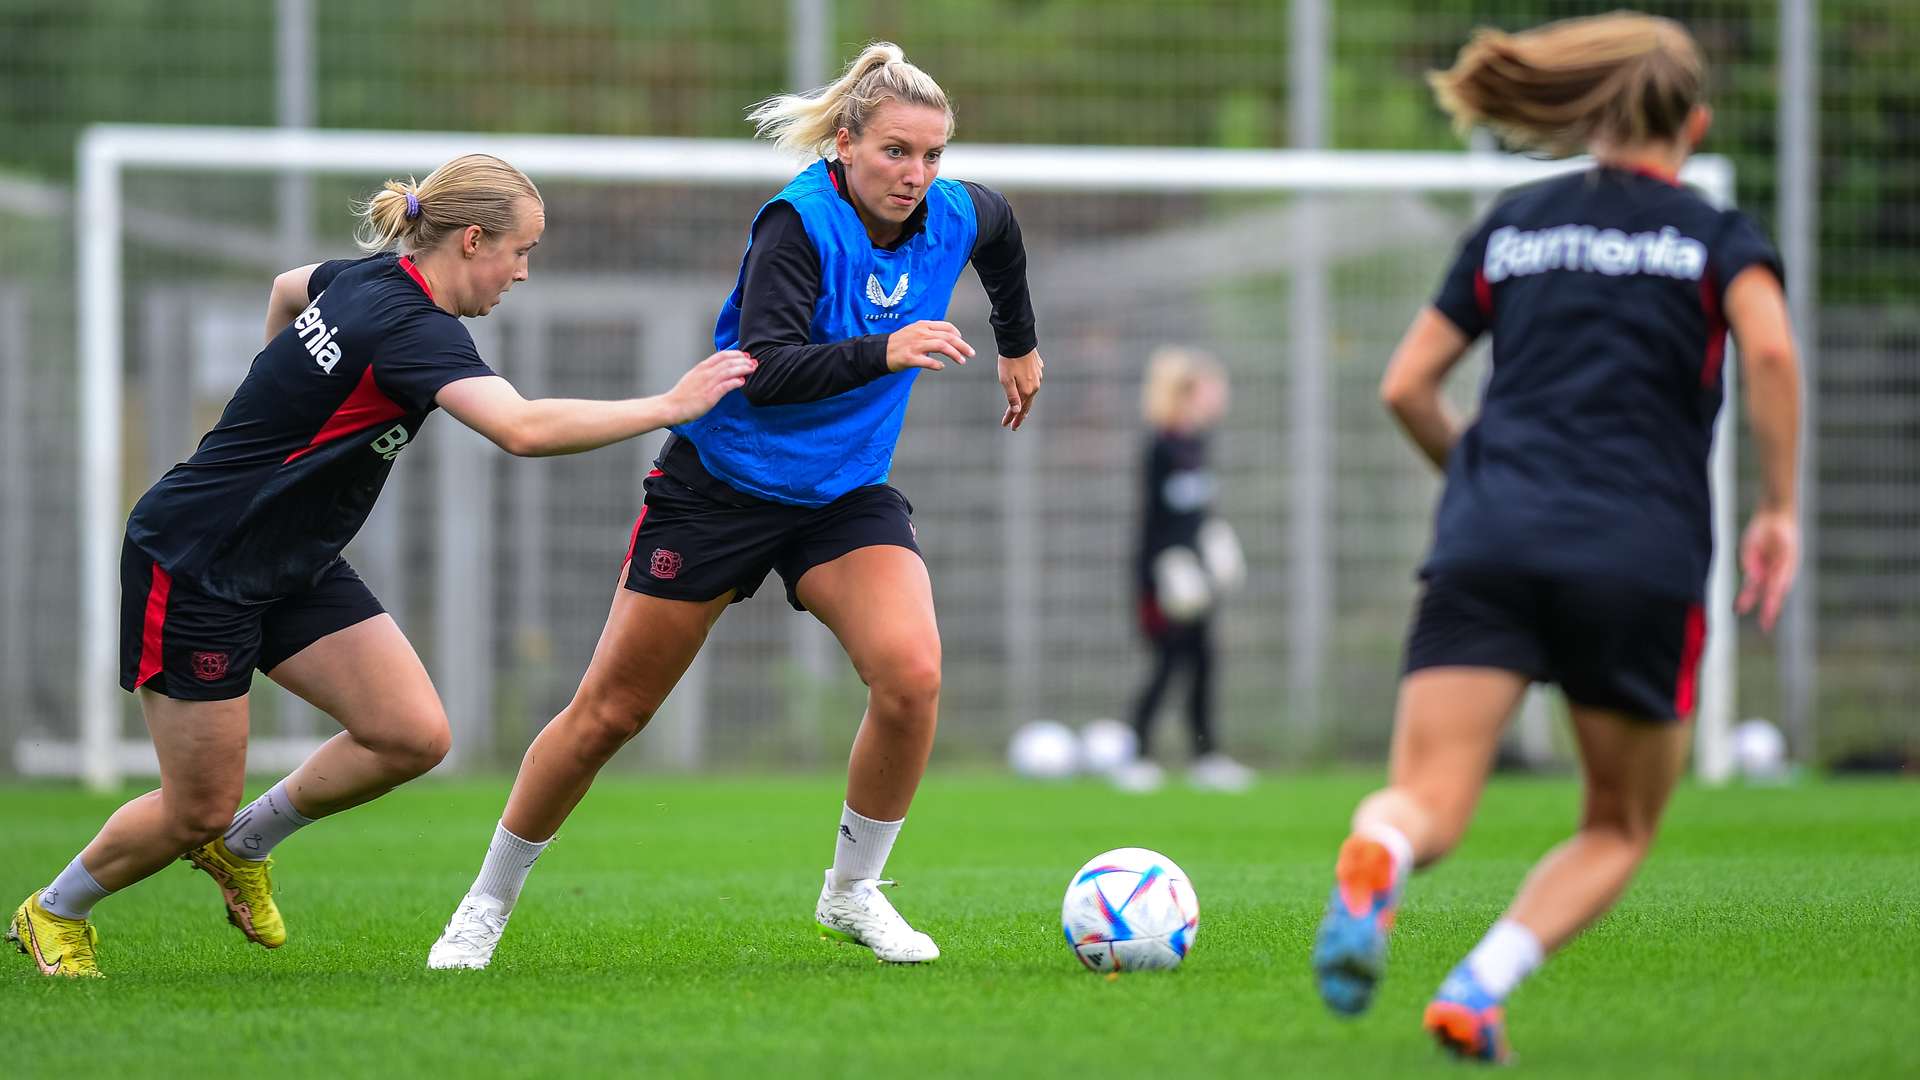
861,849
504,873
263,823
1395,842
1508,954
72,894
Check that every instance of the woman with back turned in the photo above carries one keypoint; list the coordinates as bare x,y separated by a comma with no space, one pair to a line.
1573,537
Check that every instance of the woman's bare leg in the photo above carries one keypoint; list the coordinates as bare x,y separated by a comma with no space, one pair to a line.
1630,767
647,645
1444,739
879,602
202,747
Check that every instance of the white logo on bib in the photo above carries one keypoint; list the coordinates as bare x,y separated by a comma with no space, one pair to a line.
886,299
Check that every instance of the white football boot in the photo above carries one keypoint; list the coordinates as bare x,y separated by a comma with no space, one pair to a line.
471,935
863,916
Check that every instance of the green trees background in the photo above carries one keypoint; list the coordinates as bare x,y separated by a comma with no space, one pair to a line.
1164,72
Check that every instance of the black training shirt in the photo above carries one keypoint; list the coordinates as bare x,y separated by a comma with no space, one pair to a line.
1604,291
288,475
1178,499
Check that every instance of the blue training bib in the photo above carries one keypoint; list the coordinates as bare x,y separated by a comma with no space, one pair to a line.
812,453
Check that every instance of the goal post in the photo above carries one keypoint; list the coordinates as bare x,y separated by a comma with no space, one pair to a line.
108,154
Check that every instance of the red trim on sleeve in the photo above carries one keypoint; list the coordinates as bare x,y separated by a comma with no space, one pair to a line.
414,273
156,621
365,407
1716,330
1685,691
1483,293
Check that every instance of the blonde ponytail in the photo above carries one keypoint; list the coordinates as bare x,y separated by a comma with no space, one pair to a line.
477,189
807,124
1626,77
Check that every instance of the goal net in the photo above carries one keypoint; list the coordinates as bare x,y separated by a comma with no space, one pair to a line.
1298,270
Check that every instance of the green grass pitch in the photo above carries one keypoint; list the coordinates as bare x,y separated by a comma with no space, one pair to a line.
1775,932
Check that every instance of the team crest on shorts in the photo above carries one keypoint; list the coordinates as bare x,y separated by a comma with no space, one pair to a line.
209,666
665,564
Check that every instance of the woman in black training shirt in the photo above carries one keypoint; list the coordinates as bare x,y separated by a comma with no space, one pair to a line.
232,561
1573,538
1185,562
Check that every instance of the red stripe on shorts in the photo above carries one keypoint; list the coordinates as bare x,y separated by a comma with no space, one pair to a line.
1153,622
155,621
634,538
1686,690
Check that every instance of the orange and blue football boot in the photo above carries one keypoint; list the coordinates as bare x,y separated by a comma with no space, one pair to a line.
1467,1021
1350,951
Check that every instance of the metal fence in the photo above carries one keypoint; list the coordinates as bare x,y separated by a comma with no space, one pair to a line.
1219,73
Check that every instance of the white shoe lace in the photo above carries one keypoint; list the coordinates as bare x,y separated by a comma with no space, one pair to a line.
475,927
872,920
877,905
869,911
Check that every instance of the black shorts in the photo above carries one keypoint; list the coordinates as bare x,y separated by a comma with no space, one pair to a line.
689,546
1605,645
184,644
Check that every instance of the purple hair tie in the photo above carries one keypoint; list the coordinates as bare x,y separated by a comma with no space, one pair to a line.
413,206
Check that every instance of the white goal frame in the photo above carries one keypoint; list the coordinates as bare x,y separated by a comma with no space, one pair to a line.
107,151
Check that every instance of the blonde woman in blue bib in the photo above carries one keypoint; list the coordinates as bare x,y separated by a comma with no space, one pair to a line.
842,298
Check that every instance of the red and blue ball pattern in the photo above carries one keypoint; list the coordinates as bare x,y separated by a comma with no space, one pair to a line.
1130,909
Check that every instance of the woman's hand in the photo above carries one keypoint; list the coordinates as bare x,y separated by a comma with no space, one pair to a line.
1020,378
923,344
702,388
1770,556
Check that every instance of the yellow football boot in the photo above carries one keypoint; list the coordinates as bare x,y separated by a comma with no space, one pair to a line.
247,887
58,946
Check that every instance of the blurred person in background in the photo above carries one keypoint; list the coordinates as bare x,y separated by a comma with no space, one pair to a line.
1574,533
1186,562
231,562
842,298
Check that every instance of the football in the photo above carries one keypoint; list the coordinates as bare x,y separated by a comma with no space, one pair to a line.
1106,745
1760,751
1044,750
1130,909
